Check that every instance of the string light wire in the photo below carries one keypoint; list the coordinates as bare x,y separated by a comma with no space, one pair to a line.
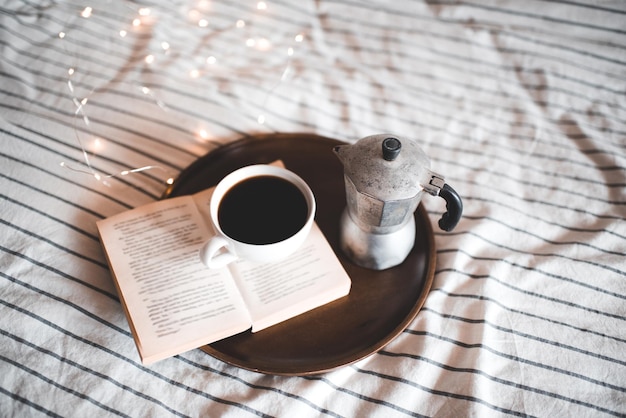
144,16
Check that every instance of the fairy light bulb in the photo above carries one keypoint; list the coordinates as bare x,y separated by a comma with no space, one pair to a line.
149,59
194,15
61,35
97,145
123,33
261,5
240,24
203,23
86,13
203,135
263,44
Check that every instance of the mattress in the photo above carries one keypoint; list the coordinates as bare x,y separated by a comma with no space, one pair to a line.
521,106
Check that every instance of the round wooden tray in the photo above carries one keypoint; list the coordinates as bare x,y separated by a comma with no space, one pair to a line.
381,304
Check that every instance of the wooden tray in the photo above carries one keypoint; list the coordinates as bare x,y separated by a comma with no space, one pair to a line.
381,304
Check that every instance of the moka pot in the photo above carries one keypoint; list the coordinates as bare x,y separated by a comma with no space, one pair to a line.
385,177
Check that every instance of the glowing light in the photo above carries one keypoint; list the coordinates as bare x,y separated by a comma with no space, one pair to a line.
263,44
198,16
97,145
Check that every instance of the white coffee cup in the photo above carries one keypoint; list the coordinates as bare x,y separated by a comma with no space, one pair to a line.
257,230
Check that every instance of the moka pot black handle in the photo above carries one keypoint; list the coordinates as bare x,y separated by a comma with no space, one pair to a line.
454,207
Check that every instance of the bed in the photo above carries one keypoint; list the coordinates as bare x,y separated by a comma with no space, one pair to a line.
520,105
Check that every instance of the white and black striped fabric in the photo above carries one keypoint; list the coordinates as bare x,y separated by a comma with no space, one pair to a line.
520,105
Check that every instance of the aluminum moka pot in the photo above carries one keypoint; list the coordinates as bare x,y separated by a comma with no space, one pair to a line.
385,177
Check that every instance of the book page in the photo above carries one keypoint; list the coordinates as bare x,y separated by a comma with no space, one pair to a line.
174,303
275,292
309,278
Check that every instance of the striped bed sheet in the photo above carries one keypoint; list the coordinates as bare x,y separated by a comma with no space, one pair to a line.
520,105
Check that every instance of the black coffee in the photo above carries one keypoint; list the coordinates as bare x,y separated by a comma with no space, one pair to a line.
262,210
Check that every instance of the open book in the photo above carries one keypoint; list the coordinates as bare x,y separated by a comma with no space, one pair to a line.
174,303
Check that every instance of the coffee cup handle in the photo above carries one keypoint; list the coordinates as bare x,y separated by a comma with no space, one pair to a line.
209,253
